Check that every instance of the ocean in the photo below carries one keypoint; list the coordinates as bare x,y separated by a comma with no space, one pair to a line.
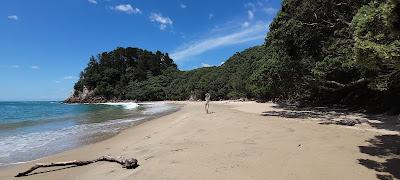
31,130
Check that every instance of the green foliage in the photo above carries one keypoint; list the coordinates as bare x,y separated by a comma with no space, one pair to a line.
335,51
307,48
377,42
137,74
332,52
113,74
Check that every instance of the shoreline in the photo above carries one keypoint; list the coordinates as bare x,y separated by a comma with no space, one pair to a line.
191,141
98,139
36,145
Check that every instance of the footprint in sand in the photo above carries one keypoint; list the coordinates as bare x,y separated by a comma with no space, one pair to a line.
174,162
249,141
150,157
177,150
290,130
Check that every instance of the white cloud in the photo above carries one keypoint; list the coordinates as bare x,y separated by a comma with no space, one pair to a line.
270,10
211,65
251,33
183,6
13,17
210,16
69,77
260,7
205,65
66,78
35,67
250,14
127,8
15,66
251,6
246,24
92,1
163,21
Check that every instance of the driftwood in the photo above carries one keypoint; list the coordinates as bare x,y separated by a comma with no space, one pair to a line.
126,163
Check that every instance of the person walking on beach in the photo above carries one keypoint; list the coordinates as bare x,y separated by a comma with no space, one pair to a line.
207,106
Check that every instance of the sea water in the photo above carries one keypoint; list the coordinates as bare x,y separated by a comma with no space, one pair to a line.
31,130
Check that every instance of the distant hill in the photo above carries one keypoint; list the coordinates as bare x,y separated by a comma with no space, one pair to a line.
136,74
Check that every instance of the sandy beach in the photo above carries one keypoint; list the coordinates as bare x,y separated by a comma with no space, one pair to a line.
238,140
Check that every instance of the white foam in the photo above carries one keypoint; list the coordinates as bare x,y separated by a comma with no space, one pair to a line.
128,105
28,146
34,145
155,107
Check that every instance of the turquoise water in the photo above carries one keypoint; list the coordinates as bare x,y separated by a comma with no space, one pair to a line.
30,130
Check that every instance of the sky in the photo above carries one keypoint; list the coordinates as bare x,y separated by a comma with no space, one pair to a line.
44,45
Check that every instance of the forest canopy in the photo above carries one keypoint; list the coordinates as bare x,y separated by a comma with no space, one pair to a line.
316,51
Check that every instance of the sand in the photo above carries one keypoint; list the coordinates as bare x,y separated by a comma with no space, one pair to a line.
233,142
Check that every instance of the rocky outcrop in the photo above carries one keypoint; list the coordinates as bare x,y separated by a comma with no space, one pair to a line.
75,99
85,96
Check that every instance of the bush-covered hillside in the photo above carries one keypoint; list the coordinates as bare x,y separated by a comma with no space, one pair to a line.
135,74
343,52
317,51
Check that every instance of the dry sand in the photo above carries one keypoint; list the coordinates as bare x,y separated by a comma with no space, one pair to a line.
234,142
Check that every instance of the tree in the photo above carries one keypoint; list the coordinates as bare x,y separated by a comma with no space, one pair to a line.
377,43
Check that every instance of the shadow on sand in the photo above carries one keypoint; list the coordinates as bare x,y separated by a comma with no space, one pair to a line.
328,114
51,170
383,149
387,148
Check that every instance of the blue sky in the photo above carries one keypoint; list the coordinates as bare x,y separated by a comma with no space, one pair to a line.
45,44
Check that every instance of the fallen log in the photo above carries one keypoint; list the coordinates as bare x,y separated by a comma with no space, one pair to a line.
130,163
